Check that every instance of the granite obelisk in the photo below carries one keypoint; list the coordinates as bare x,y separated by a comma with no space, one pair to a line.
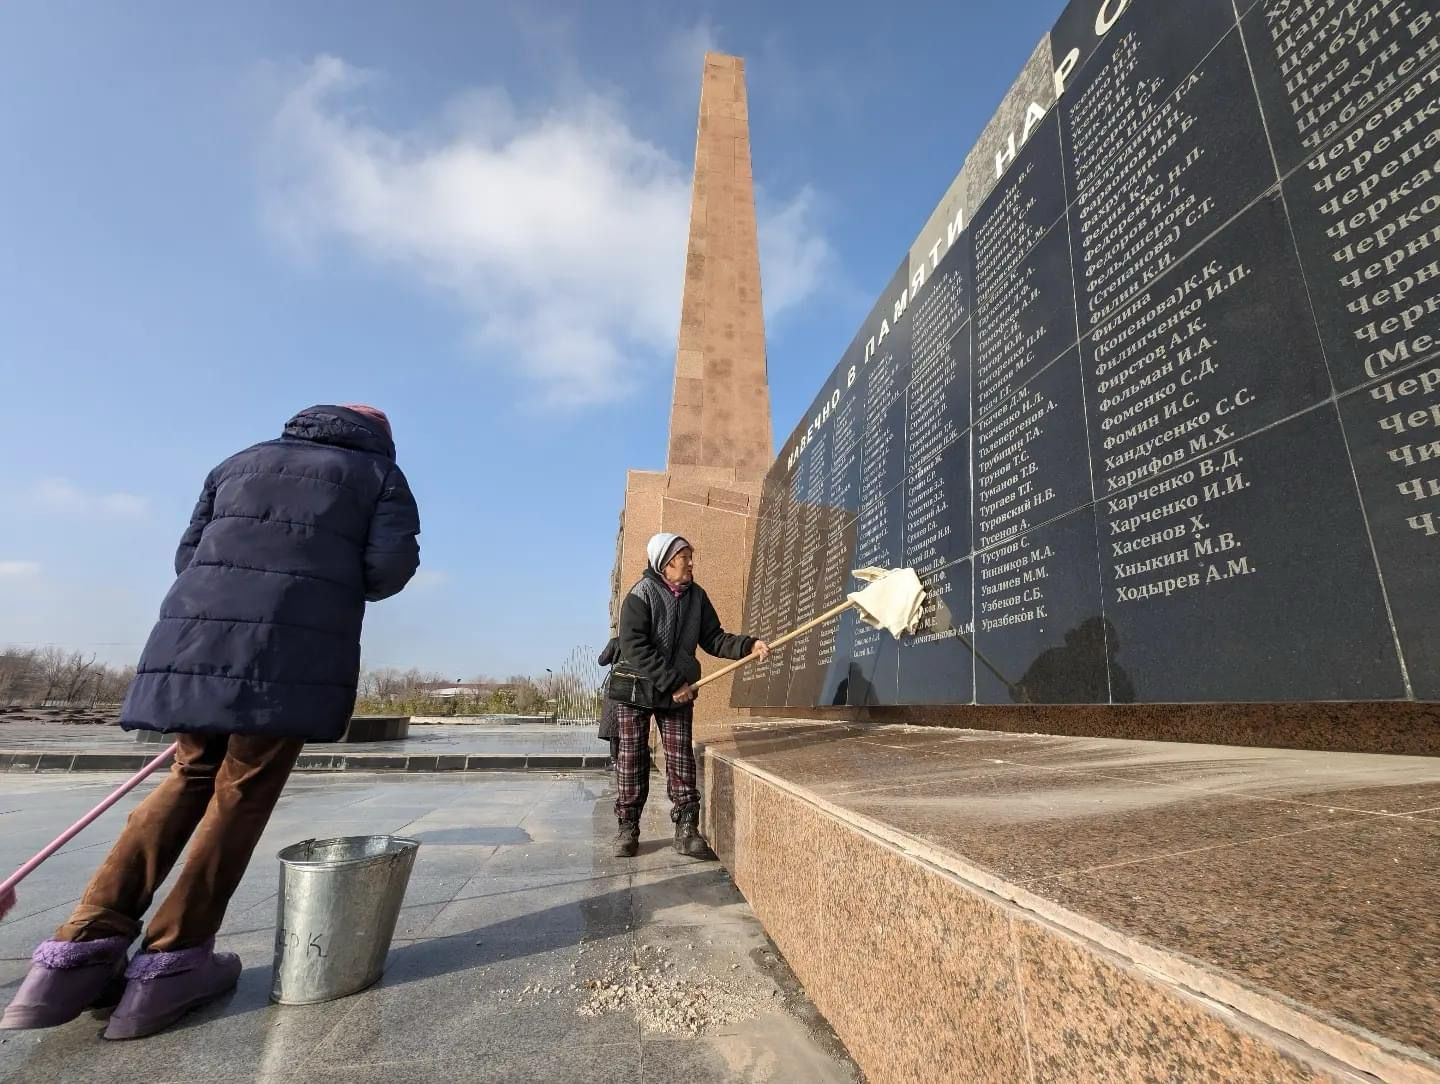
721,441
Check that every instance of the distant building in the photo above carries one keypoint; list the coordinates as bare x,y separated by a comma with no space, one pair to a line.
444,690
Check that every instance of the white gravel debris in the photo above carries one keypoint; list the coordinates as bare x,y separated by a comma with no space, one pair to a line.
666,1002
648,984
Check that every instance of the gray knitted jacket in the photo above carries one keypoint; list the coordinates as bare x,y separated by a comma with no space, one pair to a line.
666,667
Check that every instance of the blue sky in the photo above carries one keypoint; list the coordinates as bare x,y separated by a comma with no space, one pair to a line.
471,215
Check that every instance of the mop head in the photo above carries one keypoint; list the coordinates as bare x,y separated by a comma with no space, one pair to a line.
892,601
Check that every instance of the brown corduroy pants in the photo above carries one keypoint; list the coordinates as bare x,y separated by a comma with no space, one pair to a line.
221,790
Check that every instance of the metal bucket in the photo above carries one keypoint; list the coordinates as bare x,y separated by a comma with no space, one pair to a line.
339,902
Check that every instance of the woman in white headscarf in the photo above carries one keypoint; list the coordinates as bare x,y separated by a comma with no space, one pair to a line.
664,619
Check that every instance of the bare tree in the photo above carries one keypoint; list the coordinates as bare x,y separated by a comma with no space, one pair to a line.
78,678
17,674
52,665
111,684
51,675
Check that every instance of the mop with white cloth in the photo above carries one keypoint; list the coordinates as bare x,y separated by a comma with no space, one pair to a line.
892,601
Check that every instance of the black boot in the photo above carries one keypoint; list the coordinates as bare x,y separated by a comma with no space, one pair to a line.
688,840
627,839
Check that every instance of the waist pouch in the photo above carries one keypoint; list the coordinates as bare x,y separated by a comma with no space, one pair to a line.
628,686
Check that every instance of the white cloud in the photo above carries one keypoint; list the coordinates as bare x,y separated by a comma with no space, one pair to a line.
683,57
560,233
19,570
794,257
60,495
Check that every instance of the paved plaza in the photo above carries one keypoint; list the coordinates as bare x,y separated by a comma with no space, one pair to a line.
524,952
430,738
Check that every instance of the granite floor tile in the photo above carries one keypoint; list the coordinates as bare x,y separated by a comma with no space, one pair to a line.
23,930
493,970
693,945
1388,798
1400,789
657,852
750,741
918,738
701,893
1391,799
958,744
513,905
769,1055
1025,823
429,884
748,738
1090,1019
416,918
497,874
502,916
615,1063
11,972
461,1015
63,876
468,829
1342,920
835,765
735,957
933,768
241,1036
36,819
562,830
577,854
657,841
13,1051
1259,763
256,918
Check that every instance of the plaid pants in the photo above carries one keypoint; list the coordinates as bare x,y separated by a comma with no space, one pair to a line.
632,769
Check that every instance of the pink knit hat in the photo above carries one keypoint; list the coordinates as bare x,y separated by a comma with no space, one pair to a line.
373,413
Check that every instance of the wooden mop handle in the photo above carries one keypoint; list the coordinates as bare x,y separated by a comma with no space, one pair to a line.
730,668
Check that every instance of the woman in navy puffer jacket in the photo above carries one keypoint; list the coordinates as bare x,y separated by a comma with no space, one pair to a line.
256,651
260,634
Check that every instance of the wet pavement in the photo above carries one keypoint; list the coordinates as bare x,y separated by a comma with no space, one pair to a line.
425,738
524,952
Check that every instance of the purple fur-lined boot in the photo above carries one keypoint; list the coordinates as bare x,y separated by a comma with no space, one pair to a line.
164,986
65,979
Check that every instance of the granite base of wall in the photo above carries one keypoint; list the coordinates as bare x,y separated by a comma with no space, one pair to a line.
930,976
1408,729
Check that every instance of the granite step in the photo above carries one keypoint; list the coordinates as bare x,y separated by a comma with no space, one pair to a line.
971,906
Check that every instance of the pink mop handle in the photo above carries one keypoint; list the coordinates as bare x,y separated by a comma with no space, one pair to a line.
85,821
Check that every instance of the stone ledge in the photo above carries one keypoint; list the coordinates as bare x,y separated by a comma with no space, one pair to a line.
12,761
360,728
1401,728
935,964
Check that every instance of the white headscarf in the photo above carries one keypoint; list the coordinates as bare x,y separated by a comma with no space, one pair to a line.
661,548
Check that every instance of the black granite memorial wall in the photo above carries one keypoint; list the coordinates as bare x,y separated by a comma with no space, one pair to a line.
1157,418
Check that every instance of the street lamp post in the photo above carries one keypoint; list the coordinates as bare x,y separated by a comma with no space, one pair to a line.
554,699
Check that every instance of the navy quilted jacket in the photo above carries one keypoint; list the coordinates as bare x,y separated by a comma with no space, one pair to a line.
260,633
